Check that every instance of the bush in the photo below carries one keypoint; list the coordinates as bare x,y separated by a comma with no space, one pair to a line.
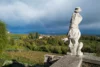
40,42
45,48
98,50
64,49
87,48
52,41
56,49
35,47
61,43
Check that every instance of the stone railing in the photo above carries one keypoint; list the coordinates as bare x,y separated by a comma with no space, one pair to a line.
88,59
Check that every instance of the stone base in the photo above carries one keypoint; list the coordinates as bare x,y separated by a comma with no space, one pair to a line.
68,61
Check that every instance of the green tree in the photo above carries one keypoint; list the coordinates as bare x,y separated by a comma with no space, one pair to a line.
36,35
30,36
3,35
33,35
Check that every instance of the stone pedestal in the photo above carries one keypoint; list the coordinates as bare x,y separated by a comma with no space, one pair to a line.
68,61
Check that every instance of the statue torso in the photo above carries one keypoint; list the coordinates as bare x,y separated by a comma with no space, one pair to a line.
75,20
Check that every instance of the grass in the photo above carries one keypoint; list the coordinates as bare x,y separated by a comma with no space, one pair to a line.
29,57
32,56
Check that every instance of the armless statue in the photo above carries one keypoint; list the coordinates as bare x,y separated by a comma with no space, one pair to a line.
74,33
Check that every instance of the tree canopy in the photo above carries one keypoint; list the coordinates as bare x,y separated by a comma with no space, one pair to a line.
3,35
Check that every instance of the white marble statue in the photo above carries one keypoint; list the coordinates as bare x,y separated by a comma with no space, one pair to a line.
74,33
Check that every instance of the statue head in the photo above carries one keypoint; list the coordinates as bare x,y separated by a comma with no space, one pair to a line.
77,10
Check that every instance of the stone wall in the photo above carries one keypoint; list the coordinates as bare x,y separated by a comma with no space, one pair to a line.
89,60
85,64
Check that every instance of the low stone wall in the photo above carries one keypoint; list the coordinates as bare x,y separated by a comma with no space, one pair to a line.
50,59
86,64
89,60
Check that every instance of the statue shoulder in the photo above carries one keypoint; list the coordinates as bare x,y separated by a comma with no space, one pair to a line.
80,16
74,14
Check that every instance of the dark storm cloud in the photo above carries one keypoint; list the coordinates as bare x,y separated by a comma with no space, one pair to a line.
44,15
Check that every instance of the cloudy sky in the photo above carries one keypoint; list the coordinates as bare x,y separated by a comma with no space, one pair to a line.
49,16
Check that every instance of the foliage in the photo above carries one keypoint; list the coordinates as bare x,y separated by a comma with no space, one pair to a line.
98,49
36,35
33,35
3,35
53,44
64,49
30,36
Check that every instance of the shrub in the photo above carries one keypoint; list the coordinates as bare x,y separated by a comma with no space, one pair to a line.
35,47
56,49
28,45
87,48
40,42
52,41
45,48
98,49
64,49
61,43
